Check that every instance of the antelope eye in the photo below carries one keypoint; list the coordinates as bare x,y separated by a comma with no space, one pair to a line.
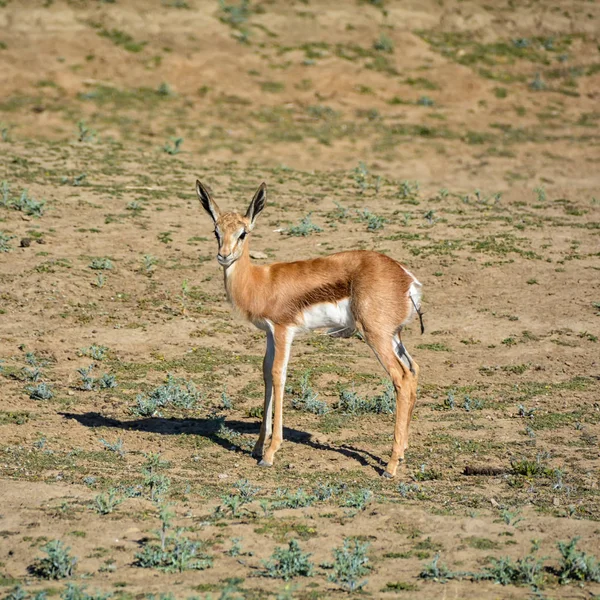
242,235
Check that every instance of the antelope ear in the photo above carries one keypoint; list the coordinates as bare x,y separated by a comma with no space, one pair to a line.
210,206
257,204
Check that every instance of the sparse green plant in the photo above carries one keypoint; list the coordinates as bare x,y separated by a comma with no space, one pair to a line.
436,571
174,146
101,264
106,381
540,193
352,403
525,412
374,222
288,499
361,177
76,592
576,565
425,474
100,280
287,563
510,518
526,571
157,483
41,391
178,393
226,401
233,503
470,404
4,242
105,504
236,547
76,180
148,263
384,44
350,565
408,190
425,101
232,436
87,381
18,593
537,84
84,133
235,14
429,216
358,500
94,351
164,89
58,564
306,227
177,554
407,489
449,401
165,237
308,399
26,204
116,447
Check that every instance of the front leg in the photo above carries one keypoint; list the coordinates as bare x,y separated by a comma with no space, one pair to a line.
266,426
283,337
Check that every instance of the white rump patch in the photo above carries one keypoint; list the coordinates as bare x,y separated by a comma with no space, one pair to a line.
336,315
414,297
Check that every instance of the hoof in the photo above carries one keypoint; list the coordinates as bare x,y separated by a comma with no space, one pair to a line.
264,463
388,475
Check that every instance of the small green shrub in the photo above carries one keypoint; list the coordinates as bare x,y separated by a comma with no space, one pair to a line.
174,146
358,500
306,227
58,564
576,565
4,242
116,447
287,563
527,571
178,393
308,399
105,504
374,222
41,391
233,503
101,264
154,480
351,563
94,351
384,44
178,554
385,403
436,571
76,592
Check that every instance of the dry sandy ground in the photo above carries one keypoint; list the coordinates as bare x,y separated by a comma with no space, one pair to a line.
468,132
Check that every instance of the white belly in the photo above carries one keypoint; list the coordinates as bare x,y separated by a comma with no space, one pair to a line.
336,315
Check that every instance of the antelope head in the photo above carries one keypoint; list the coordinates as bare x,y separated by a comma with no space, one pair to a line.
231,228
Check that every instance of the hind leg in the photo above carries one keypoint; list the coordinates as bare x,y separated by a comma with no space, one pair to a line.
407,360
402,378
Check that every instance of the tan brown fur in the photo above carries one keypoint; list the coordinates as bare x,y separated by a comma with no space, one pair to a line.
274,297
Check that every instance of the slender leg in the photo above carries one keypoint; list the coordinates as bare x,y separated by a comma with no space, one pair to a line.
398,367
402,382
266,426
283,342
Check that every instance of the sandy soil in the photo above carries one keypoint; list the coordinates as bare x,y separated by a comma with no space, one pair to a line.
467,130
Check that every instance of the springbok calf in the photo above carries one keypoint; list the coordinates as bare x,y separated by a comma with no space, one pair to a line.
340,291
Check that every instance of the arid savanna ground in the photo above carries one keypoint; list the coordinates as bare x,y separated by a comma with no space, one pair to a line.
460,137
